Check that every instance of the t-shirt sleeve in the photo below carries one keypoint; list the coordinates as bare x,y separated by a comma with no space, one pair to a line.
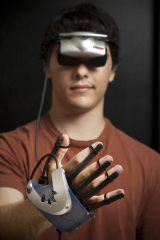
149,223
13,172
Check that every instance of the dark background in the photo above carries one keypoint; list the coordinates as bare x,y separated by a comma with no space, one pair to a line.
132,100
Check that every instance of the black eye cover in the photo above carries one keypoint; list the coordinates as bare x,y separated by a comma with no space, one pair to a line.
71,61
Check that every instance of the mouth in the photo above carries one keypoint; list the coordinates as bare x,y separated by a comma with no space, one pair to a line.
81,88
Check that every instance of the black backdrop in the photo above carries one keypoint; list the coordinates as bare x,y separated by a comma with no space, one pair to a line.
132,100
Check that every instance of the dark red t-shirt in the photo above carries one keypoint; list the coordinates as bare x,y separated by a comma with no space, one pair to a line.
137,216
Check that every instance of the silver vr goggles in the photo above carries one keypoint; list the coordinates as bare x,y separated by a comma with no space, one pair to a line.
83,47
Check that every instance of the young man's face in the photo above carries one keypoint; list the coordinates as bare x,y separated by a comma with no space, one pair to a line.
79,88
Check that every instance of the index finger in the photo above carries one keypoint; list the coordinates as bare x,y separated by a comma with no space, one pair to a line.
81,160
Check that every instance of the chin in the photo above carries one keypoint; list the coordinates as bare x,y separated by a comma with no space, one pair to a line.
81,107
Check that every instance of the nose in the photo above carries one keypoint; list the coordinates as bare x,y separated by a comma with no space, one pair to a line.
81,72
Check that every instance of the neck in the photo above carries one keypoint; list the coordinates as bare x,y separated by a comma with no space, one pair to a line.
83,125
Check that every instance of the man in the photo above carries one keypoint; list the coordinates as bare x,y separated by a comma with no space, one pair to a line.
77,110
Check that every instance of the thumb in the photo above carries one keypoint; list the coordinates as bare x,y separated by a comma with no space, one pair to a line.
59,154
62,151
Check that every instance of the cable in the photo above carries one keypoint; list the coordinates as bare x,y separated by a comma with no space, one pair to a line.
59,232
48,154
41,104
51,233
48,161
37,125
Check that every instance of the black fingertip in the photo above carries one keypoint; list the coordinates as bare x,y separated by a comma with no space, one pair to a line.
121,195
114,198
112,176
59,138
107,164
116,174
99,147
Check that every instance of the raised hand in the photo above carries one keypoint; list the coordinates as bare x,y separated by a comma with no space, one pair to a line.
86,181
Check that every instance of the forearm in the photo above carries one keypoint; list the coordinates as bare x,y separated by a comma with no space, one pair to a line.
21,220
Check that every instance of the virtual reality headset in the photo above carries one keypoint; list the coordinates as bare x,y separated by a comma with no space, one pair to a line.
83,47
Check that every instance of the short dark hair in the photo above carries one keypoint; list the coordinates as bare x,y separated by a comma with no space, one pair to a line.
84,17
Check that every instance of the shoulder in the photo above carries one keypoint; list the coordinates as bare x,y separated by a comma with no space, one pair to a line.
19,144
17,135
14,144
130,146
22,133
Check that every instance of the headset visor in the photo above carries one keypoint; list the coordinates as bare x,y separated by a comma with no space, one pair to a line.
82,47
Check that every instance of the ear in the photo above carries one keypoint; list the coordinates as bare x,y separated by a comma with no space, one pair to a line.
45,68
112,74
